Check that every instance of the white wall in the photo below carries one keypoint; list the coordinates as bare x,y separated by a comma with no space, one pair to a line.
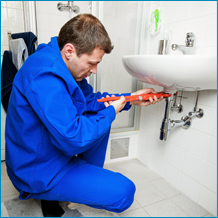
188,160
50,19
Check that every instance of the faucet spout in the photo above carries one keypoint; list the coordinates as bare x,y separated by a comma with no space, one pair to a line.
188,48
184,49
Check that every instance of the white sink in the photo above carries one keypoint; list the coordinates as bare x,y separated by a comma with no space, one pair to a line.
174,72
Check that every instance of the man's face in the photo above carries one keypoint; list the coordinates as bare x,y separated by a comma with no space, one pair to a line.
83,66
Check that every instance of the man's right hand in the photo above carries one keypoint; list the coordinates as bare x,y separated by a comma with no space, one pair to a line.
118,105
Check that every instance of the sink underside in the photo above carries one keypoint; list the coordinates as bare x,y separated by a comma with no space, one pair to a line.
174,72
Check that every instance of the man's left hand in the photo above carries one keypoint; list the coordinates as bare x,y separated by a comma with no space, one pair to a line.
147,102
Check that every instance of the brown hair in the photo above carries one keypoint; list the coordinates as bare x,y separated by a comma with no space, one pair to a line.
85,32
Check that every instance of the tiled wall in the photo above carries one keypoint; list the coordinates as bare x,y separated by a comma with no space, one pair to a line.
50,19
188,160
11,20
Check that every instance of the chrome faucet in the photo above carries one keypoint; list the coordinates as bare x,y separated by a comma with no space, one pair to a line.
188,48
70,6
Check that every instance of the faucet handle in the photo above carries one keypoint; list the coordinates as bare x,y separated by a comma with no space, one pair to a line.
190,38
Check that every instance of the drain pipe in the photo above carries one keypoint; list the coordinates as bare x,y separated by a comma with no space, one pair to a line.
168,124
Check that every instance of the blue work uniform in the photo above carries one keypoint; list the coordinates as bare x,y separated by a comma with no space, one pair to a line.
57,135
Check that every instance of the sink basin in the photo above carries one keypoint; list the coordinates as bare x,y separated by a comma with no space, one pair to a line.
174,72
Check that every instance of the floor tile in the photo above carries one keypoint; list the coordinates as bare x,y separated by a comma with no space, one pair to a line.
134,163
7,188
4,174
165,208
4,212
208,215
117,167
9,197
165,188
135,205
147,194
135,213
189,206
140,175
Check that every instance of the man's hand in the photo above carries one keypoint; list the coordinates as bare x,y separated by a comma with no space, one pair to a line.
146,103
118,105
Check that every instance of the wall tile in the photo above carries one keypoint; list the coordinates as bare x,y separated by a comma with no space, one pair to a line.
189,187
208,98
198,143
84,6
175,156
211,33
15,30
208,200
159,148
41,7
4,17
206,123
149,141
15,18
210,50
172,175
212,152
157,165
134,139
179,136
3,49
214,132
178,34
198,9
4,37
64,20
144,156
15,4
191,96
149,122
151,108
165,11
198,26
56,23
213,7
193,167
176,15
3,4
161,108
210,177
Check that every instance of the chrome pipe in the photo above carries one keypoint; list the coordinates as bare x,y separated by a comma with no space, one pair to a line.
199,113
166,125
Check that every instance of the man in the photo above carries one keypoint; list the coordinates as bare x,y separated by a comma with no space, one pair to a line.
57,132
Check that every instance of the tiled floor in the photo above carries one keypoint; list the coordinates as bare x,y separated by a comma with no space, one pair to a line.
154,196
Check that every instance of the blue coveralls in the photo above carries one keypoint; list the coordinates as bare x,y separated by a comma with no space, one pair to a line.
57,135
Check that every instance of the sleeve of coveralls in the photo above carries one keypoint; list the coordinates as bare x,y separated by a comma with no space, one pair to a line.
91,98
70,132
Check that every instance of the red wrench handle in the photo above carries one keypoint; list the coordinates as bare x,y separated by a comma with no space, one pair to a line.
136,97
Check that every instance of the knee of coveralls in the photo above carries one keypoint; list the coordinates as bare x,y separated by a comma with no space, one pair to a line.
124,195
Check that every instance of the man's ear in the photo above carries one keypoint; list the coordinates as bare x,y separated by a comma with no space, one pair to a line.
69,50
